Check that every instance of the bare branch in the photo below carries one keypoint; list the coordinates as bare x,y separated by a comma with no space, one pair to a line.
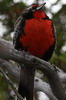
11,68
7,52
15,71
62,76
44,87
39,85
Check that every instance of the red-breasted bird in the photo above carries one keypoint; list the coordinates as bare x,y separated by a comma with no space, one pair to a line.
34,32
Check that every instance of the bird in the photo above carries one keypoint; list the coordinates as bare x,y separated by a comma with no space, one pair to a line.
35,33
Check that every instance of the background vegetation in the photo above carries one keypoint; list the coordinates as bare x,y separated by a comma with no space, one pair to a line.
10,11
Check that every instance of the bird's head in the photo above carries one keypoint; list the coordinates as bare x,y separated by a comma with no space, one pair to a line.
34,11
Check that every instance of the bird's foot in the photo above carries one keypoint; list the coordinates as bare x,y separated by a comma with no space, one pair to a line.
24,53
28,52
56,69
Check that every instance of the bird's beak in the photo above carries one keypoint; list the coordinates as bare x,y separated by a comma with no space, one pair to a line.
40,6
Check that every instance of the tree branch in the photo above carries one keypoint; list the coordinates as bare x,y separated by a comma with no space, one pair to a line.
44,87
39,85
7,52
14,70
62,76
11,68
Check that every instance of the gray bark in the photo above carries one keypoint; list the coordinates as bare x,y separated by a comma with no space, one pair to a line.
7,52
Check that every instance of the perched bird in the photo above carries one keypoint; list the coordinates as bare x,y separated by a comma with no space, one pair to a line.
34,32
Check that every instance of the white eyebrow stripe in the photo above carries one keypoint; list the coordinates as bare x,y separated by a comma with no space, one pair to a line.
39,7
29,8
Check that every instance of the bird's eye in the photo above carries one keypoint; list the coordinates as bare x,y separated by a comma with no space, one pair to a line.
34,8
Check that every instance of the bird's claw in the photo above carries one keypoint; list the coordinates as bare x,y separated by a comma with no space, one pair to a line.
23,53
56,69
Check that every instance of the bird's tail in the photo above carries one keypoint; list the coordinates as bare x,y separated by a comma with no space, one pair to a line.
26,83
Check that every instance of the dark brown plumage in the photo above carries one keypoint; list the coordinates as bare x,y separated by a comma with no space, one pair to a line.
34,32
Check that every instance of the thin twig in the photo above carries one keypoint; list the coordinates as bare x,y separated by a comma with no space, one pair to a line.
11,84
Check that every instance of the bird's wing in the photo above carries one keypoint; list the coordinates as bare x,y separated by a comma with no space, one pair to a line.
26,83
18,29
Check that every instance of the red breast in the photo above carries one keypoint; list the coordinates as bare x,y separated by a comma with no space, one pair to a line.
38,36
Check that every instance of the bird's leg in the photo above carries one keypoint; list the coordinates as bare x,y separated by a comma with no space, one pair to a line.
25,53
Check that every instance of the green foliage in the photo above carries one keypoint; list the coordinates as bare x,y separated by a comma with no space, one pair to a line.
59,30
60,56
3,86
11,12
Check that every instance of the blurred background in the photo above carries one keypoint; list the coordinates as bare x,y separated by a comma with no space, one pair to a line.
10,10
